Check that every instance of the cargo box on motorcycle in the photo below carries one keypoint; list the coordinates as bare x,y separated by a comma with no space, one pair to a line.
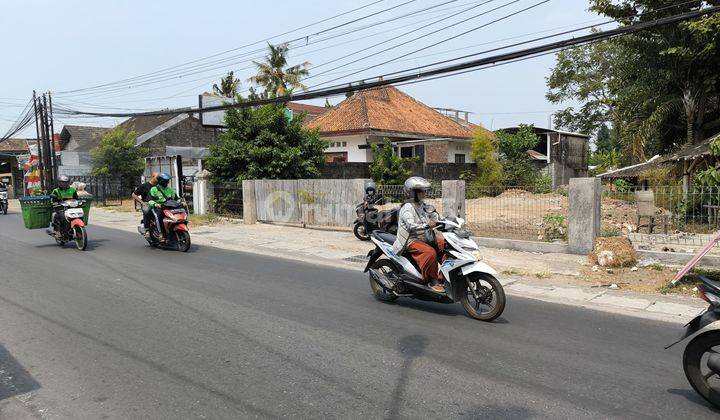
36,211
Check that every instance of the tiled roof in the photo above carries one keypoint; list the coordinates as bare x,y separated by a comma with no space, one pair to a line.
386,109
14,146
86,137
310,109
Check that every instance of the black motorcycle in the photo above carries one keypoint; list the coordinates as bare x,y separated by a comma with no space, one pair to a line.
370,219
701,359
3,200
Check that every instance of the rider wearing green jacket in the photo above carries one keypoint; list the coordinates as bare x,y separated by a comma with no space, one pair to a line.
159,194
64,191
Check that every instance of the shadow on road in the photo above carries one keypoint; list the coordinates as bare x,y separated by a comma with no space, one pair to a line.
411,347
693,396
14,379
440,309
92,244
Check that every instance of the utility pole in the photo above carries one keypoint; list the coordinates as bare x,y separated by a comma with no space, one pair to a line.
49,149
52,138
39,144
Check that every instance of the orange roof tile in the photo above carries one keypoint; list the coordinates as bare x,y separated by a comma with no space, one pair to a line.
387,109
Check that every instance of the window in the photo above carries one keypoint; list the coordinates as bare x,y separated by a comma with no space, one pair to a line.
459,158
420,151
406,152
344,144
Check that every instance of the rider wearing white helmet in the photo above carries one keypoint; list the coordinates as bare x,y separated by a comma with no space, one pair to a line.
415,235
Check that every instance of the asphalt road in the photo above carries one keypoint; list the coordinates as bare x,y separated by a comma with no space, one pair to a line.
125,331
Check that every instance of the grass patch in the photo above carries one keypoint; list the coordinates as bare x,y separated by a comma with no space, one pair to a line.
656,267
543,275
204,219
510,272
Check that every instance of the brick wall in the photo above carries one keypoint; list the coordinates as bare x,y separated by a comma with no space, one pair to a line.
187,133
436,152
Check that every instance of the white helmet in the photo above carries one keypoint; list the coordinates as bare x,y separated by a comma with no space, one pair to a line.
415,184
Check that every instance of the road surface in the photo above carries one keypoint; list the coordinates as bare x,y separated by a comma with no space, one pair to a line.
125,331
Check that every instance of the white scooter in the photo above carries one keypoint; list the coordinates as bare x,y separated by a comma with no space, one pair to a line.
467,279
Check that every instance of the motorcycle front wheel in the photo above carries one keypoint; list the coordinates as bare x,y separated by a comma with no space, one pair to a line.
80,238
360,233
700,354
183,240
484,297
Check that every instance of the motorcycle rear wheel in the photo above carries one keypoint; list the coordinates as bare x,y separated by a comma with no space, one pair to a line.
490,291
360,233
80,238
695,366
384,266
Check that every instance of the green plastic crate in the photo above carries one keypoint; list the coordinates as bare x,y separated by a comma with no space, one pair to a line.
86,207
36,211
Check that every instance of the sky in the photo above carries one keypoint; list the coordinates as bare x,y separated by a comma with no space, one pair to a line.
62,46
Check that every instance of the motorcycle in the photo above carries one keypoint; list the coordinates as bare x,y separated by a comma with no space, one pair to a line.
175,222
466,278
370,219
701,358
68,224
3,201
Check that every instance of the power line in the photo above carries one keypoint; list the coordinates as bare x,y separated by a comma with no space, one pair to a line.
259,42
449,69
441,41
201,68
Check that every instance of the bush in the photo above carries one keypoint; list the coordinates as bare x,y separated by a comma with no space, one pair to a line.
484,152
118,155
387,167
543,184
555,227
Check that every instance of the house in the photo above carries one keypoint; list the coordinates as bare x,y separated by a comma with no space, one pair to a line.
75,143
560,154
11,154
415,129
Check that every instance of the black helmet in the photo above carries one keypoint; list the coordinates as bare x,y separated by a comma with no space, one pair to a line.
370,188
163,179
63,182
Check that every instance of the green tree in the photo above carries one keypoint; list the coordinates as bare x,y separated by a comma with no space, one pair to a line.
484,152
605,140
659,88
229,86
583,74
387,167
517,166
274,75
263,143
117,155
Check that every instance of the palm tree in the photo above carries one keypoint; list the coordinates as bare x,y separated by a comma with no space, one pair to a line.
228,87
275,77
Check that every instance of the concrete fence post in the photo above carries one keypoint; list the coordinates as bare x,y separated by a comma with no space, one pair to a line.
584,214
453,198
201,193
249,203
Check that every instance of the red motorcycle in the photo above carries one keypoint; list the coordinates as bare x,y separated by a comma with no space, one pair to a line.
175,225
